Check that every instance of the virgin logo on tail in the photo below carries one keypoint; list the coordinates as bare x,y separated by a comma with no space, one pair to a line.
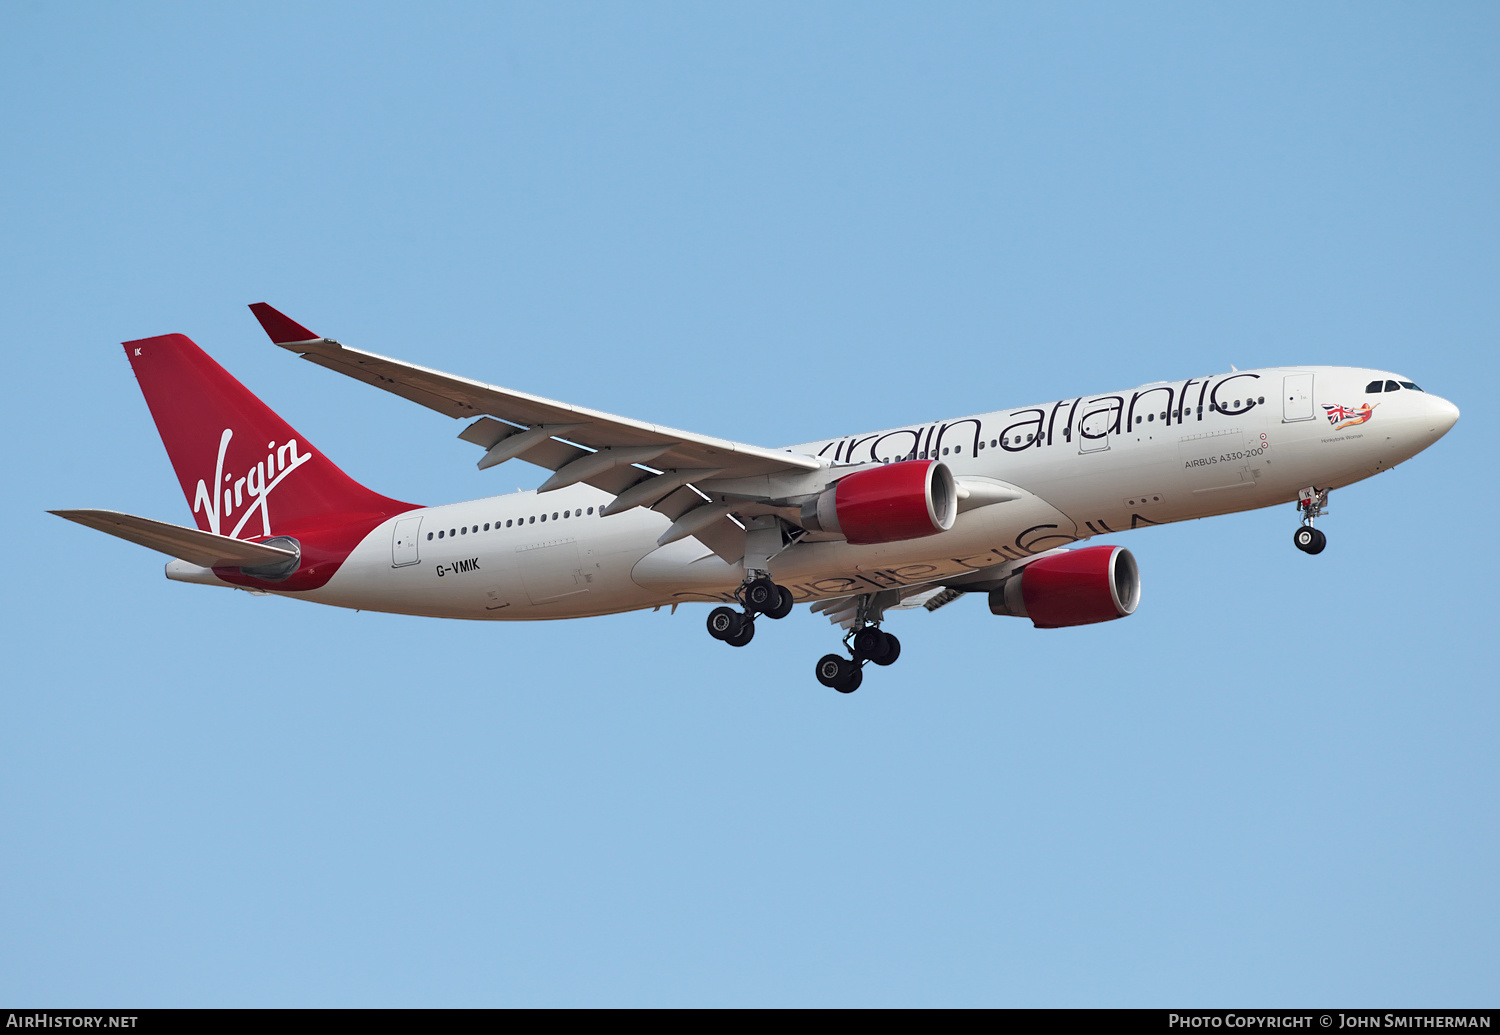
249,494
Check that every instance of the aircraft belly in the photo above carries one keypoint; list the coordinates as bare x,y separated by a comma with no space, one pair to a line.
687,570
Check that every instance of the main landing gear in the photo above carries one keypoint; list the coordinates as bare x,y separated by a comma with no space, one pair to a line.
1312,503
758,596
866,641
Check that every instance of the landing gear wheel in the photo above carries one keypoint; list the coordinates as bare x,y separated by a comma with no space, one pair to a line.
870,644
839,673
783,606
1309,540
745,634
762,594
724,622
893,650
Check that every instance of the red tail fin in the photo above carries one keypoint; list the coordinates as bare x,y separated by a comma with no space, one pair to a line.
245,471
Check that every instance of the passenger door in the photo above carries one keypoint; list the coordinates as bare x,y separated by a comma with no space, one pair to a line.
404,542
1093,430
1296,398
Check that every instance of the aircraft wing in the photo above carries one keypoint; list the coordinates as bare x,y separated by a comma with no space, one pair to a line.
188,544
576,443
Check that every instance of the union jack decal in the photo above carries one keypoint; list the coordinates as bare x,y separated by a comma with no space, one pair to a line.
1343,417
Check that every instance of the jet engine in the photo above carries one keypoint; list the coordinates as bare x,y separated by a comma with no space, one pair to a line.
1074,587
905,500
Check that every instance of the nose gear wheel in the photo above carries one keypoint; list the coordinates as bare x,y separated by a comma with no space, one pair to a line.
1312,503
1309,540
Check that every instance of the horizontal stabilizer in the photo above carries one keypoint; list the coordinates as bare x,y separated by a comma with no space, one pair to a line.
188,544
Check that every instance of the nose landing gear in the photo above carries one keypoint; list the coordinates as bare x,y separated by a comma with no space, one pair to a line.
1312,503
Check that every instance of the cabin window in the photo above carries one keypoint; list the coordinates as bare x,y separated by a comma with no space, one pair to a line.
958,449
1149,417
531,520
544,517
1261,401
440,535
486,526
591,510
1030,437
429,535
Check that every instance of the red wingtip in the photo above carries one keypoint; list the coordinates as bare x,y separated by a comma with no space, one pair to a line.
281,328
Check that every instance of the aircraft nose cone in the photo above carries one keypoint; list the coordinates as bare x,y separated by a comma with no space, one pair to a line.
1444,416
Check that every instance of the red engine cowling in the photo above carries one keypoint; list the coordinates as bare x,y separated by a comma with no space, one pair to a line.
1075,587
906,500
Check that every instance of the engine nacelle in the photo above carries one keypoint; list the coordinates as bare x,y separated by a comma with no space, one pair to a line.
887,504
1075,587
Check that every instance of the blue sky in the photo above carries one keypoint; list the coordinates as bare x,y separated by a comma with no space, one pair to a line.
1275,784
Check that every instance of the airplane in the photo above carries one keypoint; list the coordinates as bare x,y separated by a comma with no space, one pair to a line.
640,516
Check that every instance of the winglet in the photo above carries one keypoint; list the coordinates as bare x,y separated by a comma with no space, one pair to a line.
282,328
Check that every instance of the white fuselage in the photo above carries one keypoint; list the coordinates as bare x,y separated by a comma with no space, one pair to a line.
1088,465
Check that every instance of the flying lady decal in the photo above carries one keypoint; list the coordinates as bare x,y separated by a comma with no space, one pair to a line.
1342,417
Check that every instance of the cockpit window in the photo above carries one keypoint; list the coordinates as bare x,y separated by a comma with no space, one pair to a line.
1391,386
1373,387
1408,384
